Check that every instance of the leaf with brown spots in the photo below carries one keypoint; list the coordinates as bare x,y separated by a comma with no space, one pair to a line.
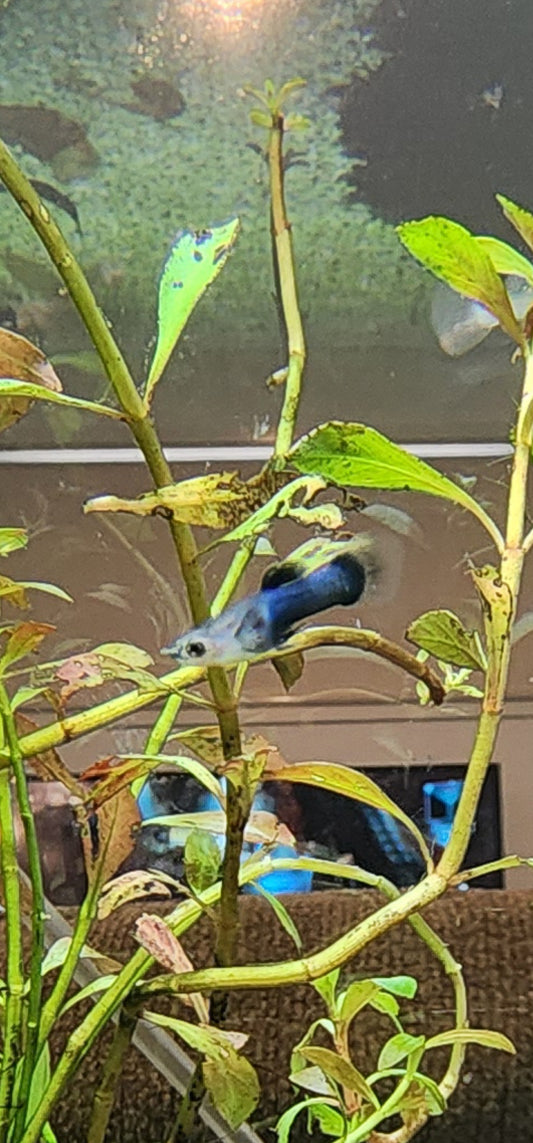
132,886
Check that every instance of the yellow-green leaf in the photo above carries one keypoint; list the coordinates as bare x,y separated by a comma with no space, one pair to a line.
195,260
521,219
202,860
11,389
398,1047
11,539
453,254
352,784
505,259
442,634
482,1036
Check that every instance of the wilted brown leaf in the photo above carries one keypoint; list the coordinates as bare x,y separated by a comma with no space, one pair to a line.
9,589
22,640
23,361
115,775
107,835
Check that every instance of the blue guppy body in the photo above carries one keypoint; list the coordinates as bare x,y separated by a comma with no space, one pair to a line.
264,621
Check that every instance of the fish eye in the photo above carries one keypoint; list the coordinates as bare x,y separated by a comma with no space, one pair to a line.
195,650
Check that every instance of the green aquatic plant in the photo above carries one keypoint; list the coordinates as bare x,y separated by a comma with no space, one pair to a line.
351,1106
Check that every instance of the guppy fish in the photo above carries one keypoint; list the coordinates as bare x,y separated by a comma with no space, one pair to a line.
290,591
461,323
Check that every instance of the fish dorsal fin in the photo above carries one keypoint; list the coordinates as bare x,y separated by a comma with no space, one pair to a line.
278,574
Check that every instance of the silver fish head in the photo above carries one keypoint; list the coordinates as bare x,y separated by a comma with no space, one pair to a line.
215,642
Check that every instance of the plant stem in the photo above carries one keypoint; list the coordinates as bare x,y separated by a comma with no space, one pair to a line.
37,909
163,724
105,1092
188,1113
286,277
13,1008
499,600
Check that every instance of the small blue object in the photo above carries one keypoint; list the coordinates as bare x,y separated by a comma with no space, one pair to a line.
284,880
440,803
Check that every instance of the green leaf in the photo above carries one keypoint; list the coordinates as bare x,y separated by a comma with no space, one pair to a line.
520,218
58,952
214,1043
260,118
358,456
282,914
341,1071
452,253
352,784
10,388
505,259
405,986
482,1036
443,635
384,1002
297,1059
100,984
11,539
435,1101
26,694
297,123
229,1078
285,1121
233,1086
397,1048
328,1120
39,1083
195,260
358,994
313,1079
202,859
326,987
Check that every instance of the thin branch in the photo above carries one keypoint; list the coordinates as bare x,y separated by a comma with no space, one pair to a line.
286,277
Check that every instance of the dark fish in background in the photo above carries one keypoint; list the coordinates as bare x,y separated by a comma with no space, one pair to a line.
461,323
56,197
49,135
155,97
